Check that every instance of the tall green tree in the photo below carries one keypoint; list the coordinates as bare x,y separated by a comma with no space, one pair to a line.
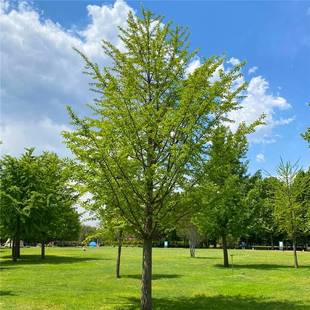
52,208
223,185
37,201
150,123
18,190
291,211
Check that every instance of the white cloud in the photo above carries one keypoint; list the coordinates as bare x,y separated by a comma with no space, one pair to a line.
260,157
104,25
260,101
40,73
44,135
234,61
192,66
252,70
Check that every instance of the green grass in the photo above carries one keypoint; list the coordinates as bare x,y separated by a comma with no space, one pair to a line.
72,279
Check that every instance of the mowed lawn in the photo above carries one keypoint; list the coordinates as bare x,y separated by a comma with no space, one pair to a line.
72,279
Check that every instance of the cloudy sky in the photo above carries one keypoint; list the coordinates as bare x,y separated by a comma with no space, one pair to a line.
41,74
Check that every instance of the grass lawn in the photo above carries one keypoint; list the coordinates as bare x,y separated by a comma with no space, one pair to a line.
72,279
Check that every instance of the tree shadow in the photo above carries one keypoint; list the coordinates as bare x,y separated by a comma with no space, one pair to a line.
4,268
154,276
6,293
49,259
202,302
260,266
206,257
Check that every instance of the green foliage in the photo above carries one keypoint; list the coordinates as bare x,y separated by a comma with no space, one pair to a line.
260,204
18,179
37,198
85,232
292,201
70,278
224,184
150,122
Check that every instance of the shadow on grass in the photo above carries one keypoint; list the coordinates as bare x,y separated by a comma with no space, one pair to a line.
206,257
49,259
260,266
154,276
6,293
219,302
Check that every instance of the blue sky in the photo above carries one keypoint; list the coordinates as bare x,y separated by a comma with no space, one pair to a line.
40,73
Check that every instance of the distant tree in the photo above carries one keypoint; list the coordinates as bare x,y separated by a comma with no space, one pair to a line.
18,189
260,205
187,227
114,228
191,232
223,186
52,207
85,232
151,121
36,199
291,211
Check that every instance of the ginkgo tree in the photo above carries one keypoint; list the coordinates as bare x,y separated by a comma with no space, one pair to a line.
224,185
150,121
291,201
37,200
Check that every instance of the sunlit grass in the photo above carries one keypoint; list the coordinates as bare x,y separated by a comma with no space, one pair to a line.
70,278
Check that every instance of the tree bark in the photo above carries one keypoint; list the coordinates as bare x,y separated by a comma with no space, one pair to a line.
295,254
119,251
272,244
43,250
192,248
18,248
146,290
16,243
225,252
14,250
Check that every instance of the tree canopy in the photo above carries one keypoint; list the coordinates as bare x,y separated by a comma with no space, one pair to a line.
37,200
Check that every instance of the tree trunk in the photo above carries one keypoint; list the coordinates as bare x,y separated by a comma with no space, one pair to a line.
146,290
225,252
16,242
119,251
295,254
192,248
43,250
18,248
272,244
14,250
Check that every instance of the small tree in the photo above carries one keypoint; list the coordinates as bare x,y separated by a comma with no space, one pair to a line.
151,122
223,186
291,212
